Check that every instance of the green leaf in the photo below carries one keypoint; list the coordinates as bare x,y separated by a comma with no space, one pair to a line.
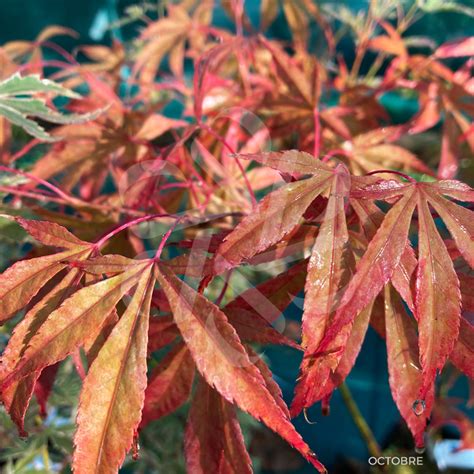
18,85
17,109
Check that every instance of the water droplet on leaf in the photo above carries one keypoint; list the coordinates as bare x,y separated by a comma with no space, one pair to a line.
419,449
419,407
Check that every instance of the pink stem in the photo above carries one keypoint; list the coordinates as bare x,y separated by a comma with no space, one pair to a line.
224,288
61,51
50,186
31,144
28,194
338,151
44,197
317,132
403,175
165,239
239,164
128,224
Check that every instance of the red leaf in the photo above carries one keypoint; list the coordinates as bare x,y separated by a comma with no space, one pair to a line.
371,217
254,310
288,71
219,450
108,264
377,265
429,114
17,396
448,165
458,220
438,299
291,162
327,273
462,355
405,376
455,189
223,361
321,374
50,233
20,282
327,264
44,386
170,385
272,386
161,332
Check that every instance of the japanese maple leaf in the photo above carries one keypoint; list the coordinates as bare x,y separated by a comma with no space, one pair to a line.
228,452
373,150
229,180
437,303
27,278
442,92
31,52
68,321
168,36
23,280
331,266
86,151
109,417
405,376
296,97
105,64
223,361
170,384
106,424
279,212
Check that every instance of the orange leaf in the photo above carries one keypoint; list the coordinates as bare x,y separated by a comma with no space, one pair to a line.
290,161
50,233
20,282
277,214
72,324
462,355
110,405
16,397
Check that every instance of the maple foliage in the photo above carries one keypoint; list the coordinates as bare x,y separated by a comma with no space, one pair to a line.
138,225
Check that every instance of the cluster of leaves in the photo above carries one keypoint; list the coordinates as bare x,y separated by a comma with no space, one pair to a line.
371,233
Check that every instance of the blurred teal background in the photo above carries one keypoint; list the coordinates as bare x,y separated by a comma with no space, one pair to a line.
334,437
